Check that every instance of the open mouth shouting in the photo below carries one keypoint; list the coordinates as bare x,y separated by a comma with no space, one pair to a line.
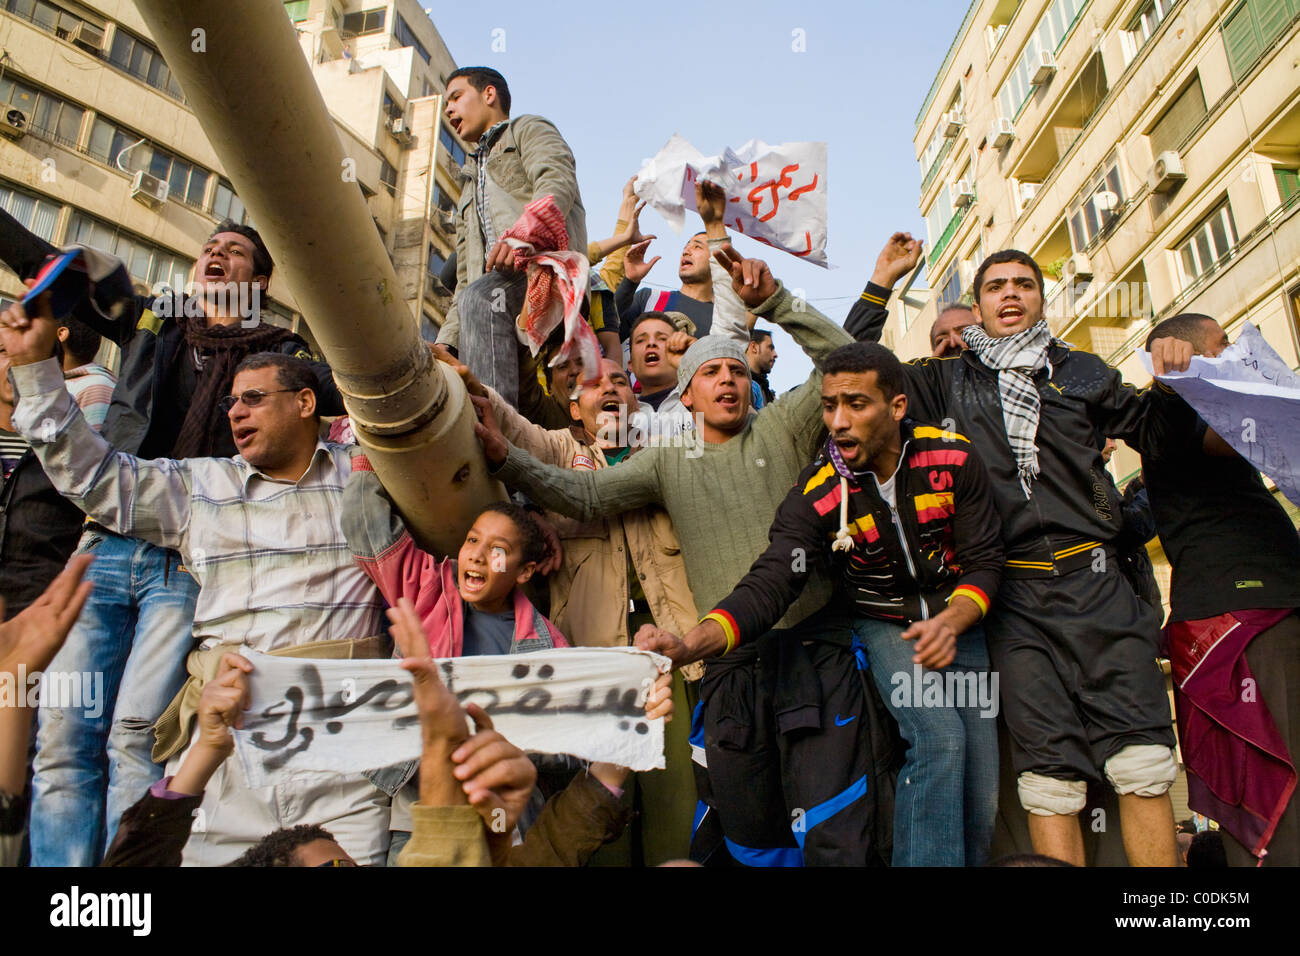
243,434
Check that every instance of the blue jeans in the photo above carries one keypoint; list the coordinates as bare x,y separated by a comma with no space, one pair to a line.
488,343
947,794
133,635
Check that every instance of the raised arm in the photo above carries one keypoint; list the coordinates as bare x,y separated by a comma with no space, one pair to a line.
729,315
866,320
581,494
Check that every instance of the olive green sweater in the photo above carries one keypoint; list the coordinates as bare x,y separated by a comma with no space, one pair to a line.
721,497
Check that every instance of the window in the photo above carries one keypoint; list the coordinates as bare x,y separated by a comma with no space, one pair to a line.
368,21
996,28
48,116
406,36
143,62
227,205
388,176
1097,207
144,261
1208,244
1048,35
436,262
1177,122
186,181
442,200
1251,29
1288,183
391,108
1141,28
47,16
32,212
453,147
949,285
940,144
297,9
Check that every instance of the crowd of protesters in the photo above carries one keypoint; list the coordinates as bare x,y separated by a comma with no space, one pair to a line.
911,618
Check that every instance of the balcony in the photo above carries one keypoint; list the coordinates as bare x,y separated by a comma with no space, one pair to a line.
949,231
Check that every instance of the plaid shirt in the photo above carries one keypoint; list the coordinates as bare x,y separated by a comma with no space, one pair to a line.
481,150
273,567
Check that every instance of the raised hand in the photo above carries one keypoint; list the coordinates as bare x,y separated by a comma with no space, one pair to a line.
634,265
897,259
750,278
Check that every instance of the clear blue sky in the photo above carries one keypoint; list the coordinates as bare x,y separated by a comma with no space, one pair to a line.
618,80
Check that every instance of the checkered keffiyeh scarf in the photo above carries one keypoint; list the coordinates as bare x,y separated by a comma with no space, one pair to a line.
1016,358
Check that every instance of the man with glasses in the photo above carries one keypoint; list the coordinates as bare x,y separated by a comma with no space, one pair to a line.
179,355
260,534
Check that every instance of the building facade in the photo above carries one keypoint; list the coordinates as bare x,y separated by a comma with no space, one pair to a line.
98,147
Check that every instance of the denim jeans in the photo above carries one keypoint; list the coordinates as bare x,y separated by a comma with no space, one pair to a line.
947,794
489,344
135,631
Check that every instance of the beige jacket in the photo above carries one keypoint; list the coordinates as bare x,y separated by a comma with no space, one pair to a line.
528,161
589,594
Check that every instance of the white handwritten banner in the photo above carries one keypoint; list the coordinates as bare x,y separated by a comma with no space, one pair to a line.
1251,398
775,194
325,716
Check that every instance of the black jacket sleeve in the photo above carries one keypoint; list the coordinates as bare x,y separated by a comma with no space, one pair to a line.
630,302
866,320
153,832
779,574
977,531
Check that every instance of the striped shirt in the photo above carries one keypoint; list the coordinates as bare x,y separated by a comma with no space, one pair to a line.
481,151
12,448
92,386
272,564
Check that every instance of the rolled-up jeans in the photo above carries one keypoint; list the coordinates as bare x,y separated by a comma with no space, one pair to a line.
127,652
489,344
947,795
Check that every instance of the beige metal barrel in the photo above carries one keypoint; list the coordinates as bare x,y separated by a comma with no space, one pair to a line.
245,77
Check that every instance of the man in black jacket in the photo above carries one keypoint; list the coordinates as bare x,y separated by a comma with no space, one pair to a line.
903,514
178,359
1074,646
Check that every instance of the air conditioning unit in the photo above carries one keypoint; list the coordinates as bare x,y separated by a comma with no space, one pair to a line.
1044,67
962,193
149,190
952,123
1027,193
400,130
1078,268
1167,172
89,36
1002,133
446,222
14,123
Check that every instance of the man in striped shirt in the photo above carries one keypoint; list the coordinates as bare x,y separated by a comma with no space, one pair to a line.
261,534
90,383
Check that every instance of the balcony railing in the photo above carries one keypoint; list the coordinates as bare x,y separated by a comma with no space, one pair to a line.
948,232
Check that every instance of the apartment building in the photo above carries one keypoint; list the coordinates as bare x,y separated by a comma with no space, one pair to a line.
98,147
1144,152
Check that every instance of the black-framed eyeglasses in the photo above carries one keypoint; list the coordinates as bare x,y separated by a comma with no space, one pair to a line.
251,398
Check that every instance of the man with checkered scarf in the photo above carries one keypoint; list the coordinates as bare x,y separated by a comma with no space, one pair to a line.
1073,645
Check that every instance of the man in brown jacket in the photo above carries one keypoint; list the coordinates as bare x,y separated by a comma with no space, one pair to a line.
618,573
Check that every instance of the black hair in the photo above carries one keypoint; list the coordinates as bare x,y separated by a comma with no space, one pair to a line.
1003,256
649,315
83,341
1207,851
1187,326
757,335
292,373
534,544
481,77
859,357
278,848
262,264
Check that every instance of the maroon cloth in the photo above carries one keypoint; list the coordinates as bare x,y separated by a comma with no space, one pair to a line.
1240,771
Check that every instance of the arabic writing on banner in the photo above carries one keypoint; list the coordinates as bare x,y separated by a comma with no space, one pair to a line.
775,194
350,716
1251,398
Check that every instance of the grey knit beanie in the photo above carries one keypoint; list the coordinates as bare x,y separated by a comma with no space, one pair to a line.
704,350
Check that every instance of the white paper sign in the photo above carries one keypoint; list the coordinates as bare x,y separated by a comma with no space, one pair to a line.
327,716
775,194
1251,398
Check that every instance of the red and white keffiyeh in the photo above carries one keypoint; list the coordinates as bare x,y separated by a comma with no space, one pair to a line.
557,285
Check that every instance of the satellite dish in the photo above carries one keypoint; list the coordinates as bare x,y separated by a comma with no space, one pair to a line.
1105,201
